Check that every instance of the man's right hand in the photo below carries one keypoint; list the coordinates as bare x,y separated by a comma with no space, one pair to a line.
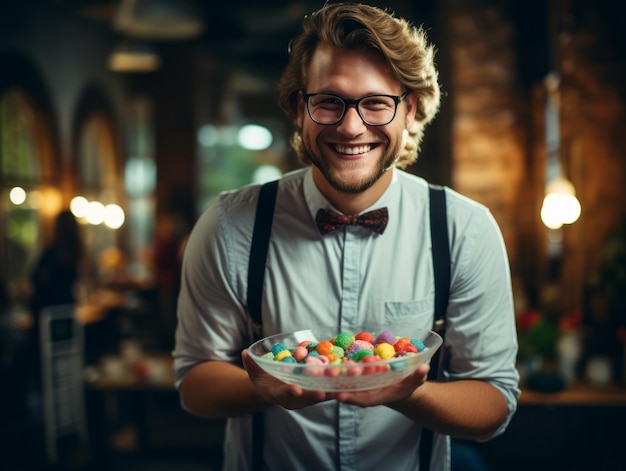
275,392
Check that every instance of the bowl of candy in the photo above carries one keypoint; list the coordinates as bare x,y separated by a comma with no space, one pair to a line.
325,359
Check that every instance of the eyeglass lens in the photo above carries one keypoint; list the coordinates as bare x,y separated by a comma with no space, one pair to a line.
374,109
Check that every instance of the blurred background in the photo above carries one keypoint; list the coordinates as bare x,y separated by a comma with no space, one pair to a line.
121,120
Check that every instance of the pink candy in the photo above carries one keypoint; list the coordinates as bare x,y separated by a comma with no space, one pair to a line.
300,353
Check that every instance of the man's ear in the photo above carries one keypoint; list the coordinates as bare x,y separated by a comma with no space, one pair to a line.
300,110
411,109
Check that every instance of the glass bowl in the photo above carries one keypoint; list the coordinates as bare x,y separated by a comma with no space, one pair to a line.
335,377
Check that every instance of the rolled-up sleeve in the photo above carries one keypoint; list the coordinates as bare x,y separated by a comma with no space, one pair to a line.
481,339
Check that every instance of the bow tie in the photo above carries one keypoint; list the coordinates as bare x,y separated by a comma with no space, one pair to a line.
328,220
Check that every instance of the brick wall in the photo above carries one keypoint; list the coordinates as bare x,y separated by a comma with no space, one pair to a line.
498,148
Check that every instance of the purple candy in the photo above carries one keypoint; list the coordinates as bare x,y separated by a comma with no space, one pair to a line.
385,336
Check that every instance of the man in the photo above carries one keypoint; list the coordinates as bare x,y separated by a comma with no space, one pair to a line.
360,87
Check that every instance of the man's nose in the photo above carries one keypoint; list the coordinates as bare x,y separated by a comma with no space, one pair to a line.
352,122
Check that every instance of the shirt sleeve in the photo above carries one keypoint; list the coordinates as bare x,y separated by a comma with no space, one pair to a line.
212,319
481,338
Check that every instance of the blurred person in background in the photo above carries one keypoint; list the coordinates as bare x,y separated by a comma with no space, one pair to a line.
54,279
55,275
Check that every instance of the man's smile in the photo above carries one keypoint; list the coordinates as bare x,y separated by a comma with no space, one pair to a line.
353,150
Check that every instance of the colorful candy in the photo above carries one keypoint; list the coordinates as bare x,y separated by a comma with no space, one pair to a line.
349,350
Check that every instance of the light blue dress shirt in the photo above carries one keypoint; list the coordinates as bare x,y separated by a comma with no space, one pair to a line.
346,278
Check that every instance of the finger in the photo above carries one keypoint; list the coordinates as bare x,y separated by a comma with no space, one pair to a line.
249,364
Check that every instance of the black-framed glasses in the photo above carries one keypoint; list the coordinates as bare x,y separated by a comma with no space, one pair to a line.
375,110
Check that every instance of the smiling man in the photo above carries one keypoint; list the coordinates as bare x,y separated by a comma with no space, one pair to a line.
360,88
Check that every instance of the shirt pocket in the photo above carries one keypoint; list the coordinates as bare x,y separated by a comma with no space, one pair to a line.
417,313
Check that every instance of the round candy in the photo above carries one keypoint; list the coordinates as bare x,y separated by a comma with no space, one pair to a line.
282,354
385,336
367,336
368,370
353,368
404,345
352,349
338,351
314,370
332,358
300,353
278,347
418,344
332,371
361,354
324,360
384,350
348,349
344,340
324,347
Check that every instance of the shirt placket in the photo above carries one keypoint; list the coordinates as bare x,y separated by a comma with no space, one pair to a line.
351,280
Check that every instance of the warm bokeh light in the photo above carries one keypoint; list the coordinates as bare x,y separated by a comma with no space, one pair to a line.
113,216
49,201
17,195
78,206
560,205
95,213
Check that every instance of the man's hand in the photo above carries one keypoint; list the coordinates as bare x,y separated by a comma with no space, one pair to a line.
389,394
274,391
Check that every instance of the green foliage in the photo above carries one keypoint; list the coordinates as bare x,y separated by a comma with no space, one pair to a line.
540,339
610,279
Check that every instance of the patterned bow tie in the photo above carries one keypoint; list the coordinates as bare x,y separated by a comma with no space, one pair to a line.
328,220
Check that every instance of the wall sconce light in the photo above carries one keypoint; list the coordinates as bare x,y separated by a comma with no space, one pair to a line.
96,213
560,205
134,57
159,19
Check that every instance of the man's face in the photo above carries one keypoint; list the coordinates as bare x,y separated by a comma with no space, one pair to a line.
351,156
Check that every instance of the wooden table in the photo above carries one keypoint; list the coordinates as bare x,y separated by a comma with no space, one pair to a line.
580,393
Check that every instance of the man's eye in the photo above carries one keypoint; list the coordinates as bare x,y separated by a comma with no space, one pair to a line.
331,101
377,102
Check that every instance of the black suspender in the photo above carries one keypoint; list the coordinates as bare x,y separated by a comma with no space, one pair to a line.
441,269
258,253
256,272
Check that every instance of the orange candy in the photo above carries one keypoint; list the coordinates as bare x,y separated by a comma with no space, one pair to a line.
324,347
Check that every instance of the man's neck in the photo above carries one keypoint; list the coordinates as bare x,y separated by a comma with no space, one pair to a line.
349,203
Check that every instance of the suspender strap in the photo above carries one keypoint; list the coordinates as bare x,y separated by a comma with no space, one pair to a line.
258,253
441,267
256,274
441,254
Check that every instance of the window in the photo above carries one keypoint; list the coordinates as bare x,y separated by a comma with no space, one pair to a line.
25,175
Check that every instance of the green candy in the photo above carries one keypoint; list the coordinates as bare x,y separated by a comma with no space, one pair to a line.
359,355
344,340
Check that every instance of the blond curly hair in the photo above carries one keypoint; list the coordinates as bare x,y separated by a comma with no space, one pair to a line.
355,26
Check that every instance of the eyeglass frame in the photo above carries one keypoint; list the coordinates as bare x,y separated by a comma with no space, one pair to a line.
347,102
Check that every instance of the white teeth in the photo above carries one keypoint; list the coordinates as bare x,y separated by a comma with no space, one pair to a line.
353,150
